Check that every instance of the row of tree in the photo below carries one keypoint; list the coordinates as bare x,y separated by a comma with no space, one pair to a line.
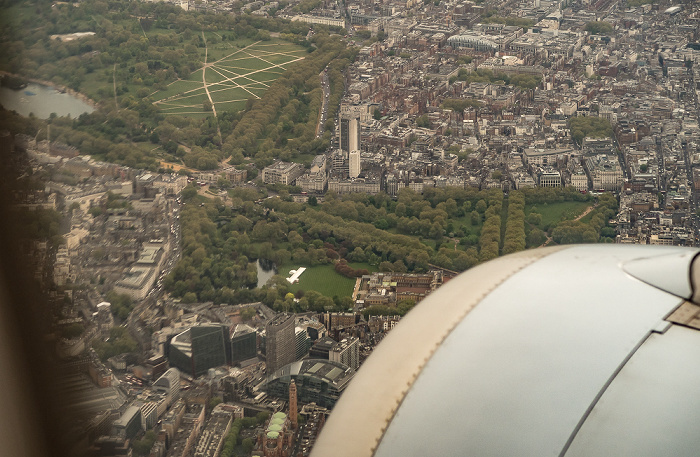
514,239
490,237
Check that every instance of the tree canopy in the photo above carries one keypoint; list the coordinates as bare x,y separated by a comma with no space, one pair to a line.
598,27
589,126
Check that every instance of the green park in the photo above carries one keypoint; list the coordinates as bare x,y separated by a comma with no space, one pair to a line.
344,237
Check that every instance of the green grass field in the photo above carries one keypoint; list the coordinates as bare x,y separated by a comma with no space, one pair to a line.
235,72
556,212
230,94
262,77
324,279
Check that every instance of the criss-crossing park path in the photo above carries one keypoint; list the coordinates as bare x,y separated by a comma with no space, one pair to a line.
234,78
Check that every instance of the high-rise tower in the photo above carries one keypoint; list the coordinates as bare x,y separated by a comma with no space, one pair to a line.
355,165
349,131
293,404
280,342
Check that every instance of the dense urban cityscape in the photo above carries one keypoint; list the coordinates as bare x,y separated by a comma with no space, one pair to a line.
216,297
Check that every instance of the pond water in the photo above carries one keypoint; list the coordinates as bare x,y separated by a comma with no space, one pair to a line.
266,270
42,101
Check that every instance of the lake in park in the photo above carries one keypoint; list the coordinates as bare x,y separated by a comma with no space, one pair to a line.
42,101
266,270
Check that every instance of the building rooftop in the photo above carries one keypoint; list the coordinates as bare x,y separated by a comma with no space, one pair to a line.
333,373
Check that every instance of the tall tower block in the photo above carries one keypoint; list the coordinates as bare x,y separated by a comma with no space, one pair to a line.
281,344
293,413
354,163
349,128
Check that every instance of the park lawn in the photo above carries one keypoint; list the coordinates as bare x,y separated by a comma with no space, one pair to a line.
277,59
193,98
226,86
196,77
215,76
234,76
233,105
181,109
245,63
266,76
257,88
276,55
186,96
322,279
228,72
232,94
279,46
281,62
233,85
233,57
258,92
218,52
223,51
232,81
587,218
553,213
245,59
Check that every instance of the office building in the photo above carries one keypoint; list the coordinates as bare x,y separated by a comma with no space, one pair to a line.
322,348
282,172
355,165
243,343
129,424
347,352
280,342
302,341
349,131
317,381
200,348
169,385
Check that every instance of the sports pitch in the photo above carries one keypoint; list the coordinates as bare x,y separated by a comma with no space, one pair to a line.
236,76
